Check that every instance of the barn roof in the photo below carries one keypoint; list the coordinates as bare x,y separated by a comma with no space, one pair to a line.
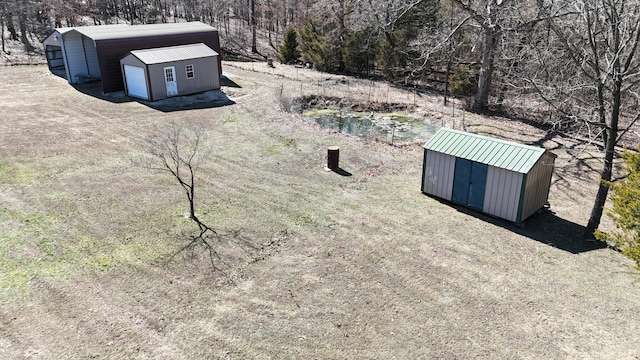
485,150
173,53
121,31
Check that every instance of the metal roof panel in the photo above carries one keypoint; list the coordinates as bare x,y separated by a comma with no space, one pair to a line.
122,31
173,53
483,149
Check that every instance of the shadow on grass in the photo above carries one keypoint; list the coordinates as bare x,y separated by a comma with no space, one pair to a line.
215,245
95,89
340,171
545,227
203,100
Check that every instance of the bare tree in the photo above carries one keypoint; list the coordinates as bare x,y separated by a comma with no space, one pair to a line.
589,72
3,12
254,24
490,17
179,151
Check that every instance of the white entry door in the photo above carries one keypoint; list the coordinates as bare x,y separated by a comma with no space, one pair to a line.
170,80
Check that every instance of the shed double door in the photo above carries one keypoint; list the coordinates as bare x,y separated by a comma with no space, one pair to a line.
469,182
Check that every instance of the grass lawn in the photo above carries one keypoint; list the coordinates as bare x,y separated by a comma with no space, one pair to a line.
313,264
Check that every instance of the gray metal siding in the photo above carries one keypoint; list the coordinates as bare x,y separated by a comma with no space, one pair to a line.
518,176
537,187
74,53
123,31
91,56
502,193
206,77
52,40
156,81
54,59
438,174
112,42
131,60
111,51
53,51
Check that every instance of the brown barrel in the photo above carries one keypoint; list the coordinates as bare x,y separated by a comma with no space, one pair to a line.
333,157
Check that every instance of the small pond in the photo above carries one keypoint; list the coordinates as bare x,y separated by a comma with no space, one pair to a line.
394,128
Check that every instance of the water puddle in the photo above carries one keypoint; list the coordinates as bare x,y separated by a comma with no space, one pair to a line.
394,128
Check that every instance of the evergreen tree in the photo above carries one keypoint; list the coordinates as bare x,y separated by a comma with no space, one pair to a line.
357,52
400,27
394,53
289,50
464,82
625,210
319,49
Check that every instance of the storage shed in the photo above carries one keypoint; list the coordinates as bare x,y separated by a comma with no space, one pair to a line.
93,52
154,74
500,178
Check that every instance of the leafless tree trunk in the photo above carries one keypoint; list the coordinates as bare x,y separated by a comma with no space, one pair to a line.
180,151
488,16
254,48
597,42
4,50
24,36
490,38
13,34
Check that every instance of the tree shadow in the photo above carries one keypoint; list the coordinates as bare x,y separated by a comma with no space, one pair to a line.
216,245
202,100
550,229
545,227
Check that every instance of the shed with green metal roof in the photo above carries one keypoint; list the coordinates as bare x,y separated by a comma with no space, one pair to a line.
497,177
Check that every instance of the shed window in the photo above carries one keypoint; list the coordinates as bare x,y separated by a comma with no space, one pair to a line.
190,73
168,74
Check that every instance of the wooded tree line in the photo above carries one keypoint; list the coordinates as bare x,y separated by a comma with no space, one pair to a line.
37,17
575,62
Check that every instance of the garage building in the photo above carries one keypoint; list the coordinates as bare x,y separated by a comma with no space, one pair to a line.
89,53
500,178
154,74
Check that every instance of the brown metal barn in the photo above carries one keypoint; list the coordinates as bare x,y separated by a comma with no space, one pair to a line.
154,74
93,52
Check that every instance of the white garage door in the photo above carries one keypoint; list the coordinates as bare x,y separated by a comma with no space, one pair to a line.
136,82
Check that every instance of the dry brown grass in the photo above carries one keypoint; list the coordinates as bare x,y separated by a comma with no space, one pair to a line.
355,267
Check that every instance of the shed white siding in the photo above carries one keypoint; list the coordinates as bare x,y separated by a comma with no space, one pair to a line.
91,55
462,167
502,193
52,46
438,174
537,187
75,56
